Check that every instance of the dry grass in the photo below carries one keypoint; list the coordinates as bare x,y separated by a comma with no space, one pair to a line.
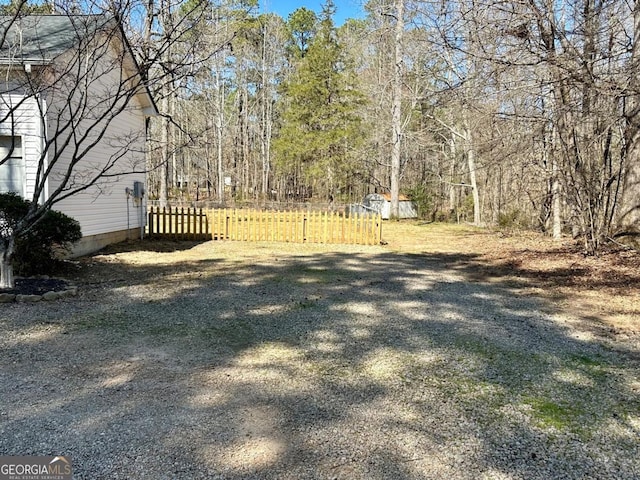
603,289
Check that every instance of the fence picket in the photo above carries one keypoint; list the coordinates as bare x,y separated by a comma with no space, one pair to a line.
254,226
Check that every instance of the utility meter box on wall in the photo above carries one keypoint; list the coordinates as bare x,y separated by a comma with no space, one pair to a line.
138,190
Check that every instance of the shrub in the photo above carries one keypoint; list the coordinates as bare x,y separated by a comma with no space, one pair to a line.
513,220
37,251
422,197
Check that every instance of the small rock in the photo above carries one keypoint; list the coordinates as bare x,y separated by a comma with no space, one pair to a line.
28,298
50,296
7,297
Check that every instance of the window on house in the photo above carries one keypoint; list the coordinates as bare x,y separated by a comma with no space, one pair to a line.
11,165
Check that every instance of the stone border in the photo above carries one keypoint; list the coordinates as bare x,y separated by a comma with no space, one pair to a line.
71,291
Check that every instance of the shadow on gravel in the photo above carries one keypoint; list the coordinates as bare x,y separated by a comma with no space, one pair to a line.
370,366
151,245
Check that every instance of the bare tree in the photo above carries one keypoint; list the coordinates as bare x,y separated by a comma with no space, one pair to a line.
396,108
629,215
72,83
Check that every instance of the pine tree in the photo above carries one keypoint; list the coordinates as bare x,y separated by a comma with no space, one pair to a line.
320,123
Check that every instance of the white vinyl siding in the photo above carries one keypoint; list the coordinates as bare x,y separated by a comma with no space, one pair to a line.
105,207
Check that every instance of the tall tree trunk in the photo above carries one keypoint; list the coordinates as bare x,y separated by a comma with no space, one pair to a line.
556,201
471,164
167,25
6,266
396,111
173,142
265,144
219,134
452,174
556,185
629,219
244,132
265,100
164,148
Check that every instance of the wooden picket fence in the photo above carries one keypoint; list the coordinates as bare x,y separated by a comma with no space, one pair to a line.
178,223
272,226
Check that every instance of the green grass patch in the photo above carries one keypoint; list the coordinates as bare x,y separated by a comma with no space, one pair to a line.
558,415
587,361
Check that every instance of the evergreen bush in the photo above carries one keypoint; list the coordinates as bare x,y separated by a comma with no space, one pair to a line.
38,251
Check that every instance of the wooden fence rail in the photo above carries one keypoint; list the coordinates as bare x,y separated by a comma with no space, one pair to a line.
256,225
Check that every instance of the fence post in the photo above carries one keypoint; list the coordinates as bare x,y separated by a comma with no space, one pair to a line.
304,227
256,225
295,225
206,218
214,224
179,223
325,229
242,223
225,219
235,224
190,232
172,221
252,224
273,224
232,227
208,227
255,221
150,222
232,224
248,224
185,224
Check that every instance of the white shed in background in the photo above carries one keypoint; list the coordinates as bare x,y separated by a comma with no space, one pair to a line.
381,203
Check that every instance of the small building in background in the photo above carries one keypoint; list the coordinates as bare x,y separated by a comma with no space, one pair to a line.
381,203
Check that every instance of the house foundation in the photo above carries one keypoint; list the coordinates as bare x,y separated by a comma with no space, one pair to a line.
93,243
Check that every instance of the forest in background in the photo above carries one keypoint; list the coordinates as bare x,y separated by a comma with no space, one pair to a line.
517,113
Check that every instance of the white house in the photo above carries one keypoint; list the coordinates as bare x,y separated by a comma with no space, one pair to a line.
73,110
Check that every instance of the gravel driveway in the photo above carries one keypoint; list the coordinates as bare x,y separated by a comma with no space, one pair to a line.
294,362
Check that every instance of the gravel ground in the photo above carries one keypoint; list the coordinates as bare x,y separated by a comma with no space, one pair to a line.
289,362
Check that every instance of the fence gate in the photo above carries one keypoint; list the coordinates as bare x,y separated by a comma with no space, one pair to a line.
178,224
256,225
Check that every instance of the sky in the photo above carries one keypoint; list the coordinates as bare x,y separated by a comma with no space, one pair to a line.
344,8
